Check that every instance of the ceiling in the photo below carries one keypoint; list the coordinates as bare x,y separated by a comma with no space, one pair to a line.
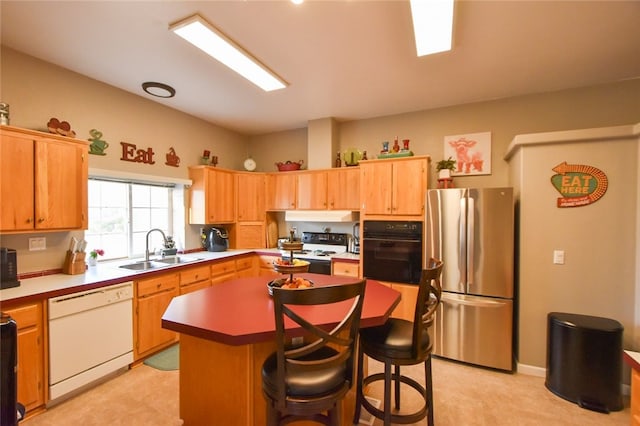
344,59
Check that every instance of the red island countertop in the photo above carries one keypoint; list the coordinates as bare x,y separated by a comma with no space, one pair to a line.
240,311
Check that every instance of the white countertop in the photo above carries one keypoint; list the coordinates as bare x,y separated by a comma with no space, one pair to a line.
109,272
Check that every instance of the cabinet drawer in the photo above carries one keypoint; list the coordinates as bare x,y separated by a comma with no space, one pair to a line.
193,275
25,316
224,267
158,284
346,268
244,263
267,261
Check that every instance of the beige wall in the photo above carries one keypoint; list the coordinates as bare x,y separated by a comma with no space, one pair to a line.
37,91
600,242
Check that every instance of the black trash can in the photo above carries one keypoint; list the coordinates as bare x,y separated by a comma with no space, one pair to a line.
584,360
8,377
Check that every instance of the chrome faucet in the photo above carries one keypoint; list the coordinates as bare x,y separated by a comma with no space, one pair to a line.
146,248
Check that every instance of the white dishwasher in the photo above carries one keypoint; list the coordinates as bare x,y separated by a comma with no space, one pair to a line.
90,336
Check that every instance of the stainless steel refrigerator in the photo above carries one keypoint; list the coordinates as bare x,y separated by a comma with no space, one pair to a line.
472,232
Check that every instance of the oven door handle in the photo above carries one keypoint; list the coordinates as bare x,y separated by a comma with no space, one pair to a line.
389,240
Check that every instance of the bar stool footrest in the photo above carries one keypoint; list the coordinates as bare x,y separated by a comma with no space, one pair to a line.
396,418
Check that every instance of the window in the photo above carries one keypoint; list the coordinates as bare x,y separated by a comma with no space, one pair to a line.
121,214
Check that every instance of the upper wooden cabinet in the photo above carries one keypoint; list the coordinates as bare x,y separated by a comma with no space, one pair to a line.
212,195
393,187
343,189
281,191
43,181
251,197
312,190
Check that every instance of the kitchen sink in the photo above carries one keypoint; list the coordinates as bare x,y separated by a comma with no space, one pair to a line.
142,265
145,265
175,260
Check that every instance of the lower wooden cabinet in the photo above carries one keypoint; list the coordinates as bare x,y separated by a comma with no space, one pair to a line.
152,296
223,270
265,265
408,297
195,278
246,266
349,269
31,366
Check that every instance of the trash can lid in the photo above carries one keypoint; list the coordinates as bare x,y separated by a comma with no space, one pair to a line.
585,321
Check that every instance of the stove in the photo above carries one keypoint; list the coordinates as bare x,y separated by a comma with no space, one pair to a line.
318,248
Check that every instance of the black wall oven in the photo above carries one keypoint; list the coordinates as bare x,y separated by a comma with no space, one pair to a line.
392,251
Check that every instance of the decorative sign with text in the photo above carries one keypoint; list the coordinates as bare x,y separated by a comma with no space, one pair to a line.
578,184
130,152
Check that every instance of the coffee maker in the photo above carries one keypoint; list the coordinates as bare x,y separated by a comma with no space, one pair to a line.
214,238
9,271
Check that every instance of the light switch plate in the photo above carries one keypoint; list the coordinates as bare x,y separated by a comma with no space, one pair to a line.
39,243
558,257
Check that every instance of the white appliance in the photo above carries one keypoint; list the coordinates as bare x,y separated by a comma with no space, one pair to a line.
472,232
90,336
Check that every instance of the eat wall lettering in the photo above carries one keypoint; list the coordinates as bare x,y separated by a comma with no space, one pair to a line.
130,152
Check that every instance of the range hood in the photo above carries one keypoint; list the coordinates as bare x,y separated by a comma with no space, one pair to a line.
319,216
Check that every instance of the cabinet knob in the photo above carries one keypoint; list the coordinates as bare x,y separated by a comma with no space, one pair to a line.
28,220
40,220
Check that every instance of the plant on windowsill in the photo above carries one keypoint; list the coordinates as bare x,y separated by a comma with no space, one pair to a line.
445,167
93,256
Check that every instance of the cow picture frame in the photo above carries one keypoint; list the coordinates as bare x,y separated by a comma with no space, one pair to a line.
472,152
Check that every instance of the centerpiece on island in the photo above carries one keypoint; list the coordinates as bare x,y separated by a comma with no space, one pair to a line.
290,266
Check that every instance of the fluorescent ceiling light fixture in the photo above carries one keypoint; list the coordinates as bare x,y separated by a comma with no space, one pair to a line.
204,36
432,25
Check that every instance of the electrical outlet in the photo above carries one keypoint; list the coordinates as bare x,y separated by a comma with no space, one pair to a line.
39,243
558,257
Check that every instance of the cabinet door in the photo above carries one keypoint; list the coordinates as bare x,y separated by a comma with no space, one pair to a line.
30,373
343,189
312,191
251,197
151,335
408,296
281,191
221,196
409,187
16,182
61,185
376,187
349,269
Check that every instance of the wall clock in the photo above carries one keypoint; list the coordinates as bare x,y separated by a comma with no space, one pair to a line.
249,164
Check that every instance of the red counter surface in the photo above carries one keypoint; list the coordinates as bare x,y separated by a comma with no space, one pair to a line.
228,330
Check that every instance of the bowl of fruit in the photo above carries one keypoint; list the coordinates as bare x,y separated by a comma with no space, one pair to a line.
287,266
291,283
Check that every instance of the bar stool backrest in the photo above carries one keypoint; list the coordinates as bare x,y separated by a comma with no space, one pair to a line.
429,296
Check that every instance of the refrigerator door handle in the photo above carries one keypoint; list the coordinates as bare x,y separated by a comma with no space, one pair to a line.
462,240
470,243
474,302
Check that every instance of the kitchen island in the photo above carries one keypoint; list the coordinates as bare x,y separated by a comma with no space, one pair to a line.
228,330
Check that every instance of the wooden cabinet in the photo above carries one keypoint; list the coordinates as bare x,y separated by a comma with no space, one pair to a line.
343,188
246,266
251,197
194,278
393,187
281,191
344,267
43,181
635,397
311,190
222,271
213,193
408,297
31,366
152,296
265,265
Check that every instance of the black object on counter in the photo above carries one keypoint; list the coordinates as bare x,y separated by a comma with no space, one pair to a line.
10,410
9,271
584,360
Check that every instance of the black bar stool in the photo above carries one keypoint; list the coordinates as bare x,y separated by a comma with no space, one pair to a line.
400,342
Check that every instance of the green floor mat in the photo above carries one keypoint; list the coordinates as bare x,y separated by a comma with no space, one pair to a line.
167,360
